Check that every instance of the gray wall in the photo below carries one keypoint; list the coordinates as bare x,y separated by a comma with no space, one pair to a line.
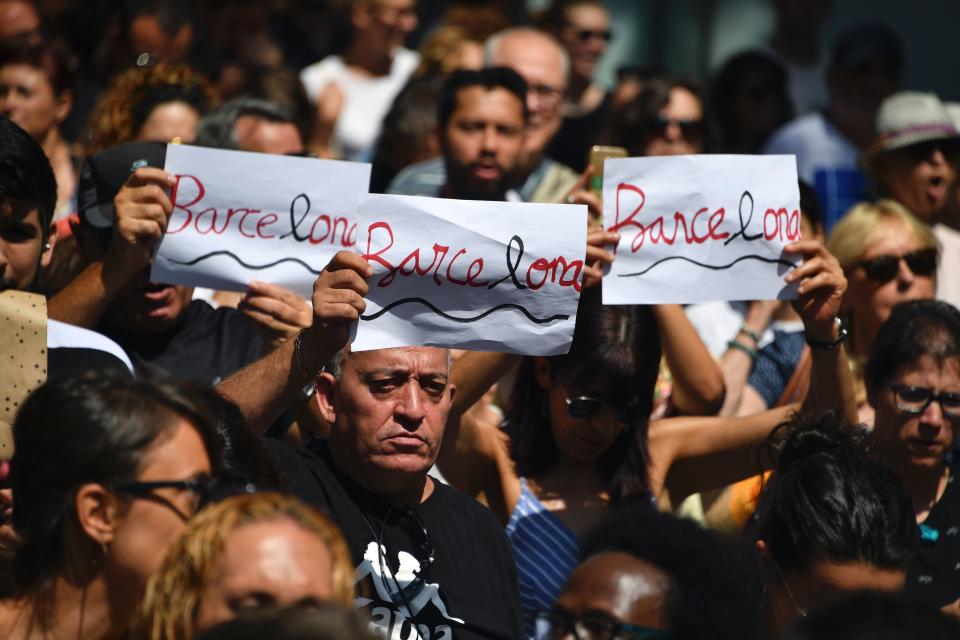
696,36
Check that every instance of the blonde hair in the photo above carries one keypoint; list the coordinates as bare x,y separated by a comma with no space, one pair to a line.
132,96
861,226
173,595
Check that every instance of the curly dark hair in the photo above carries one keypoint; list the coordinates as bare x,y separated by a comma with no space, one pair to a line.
135,93
714,591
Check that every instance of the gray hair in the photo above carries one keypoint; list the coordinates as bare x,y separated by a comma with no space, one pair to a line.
492,46
216,129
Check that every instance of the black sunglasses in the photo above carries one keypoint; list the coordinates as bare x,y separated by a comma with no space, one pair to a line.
923,150
915,400
691,130
584,407
883,269
584,35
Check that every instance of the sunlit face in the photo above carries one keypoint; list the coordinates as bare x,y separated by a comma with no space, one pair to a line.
920,177
683,111
264,136
585,36
871,302
151,522
386,22
539,60
825,581
616,587
391,408
917,441
19,18
272,564
22,253
580,439
169,122
482,143
28,99
146,307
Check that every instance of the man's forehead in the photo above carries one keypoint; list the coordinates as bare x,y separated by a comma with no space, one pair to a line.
424,359
489,103
533,56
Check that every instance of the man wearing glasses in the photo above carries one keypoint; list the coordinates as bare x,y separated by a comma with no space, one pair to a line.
430,562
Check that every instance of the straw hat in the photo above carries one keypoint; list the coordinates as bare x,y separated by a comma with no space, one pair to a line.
908,118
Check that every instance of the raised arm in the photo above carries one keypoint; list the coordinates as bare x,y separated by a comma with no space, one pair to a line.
141,213
694,454
737,361
266,388
698,387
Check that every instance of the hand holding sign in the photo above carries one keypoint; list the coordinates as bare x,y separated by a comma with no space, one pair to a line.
821,288
338,297
276,311
142,210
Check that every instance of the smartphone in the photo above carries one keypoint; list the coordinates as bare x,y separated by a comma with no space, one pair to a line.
599,153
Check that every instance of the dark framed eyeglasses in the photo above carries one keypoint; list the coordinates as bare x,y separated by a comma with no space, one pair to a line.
585,35
585,407
203,491
557,624
691,130
883,269
915,400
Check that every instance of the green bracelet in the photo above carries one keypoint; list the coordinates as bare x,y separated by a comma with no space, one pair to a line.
733,344
753,335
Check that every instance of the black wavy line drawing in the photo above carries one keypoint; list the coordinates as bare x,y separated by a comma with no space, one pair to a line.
446,316
712,267
256,267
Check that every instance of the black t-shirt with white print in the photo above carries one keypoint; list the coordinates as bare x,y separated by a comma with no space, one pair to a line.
934,574
467,590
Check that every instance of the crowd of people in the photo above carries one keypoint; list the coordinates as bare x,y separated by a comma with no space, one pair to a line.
182,463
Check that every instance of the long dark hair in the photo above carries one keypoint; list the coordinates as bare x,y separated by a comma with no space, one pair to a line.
619,346
73,430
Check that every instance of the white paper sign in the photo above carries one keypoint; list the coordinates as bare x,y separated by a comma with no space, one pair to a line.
241,216
700,228
490,276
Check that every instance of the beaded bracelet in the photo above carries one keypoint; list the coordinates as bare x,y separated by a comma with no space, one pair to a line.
733,344
307,378
753,335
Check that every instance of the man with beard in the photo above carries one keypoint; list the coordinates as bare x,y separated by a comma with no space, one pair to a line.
482,123
544,65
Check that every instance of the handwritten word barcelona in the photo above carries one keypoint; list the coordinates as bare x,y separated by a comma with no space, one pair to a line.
703,227
254,223
341,231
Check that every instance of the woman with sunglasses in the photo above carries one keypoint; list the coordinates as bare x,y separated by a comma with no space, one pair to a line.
106,472
248,552
913,382
576,435
889,257
665,119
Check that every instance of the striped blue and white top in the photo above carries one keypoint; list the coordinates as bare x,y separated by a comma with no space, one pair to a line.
545,550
